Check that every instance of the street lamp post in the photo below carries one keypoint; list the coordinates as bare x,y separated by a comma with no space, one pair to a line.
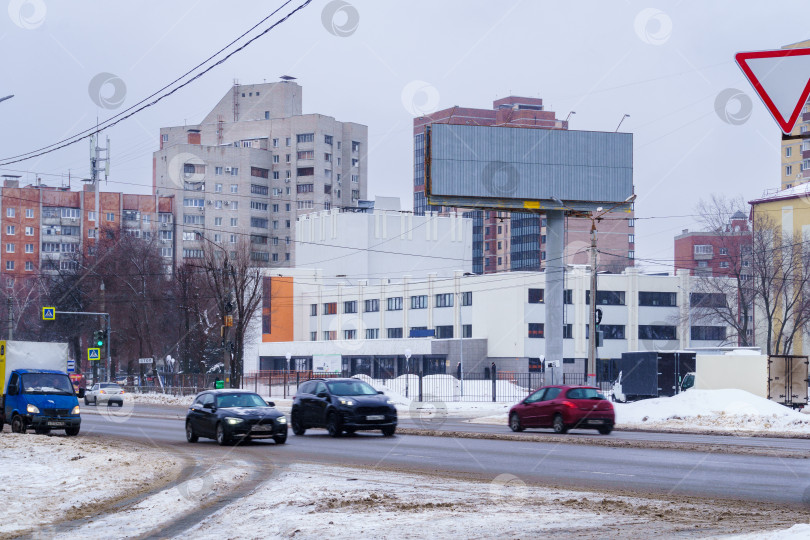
288,356
407,369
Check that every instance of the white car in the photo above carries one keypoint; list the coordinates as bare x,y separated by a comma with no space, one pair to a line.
106,391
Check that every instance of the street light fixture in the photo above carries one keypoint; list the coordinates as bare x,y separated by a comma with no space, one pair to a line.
620,122
6,97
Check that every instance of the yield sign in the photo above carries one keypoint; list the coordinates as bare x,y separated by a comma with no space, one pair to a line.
782,80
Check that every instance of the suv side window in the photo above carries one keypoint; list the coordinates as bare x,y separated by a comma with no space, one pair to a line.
95,387
208,398
306,388
199,401
320,387
552,393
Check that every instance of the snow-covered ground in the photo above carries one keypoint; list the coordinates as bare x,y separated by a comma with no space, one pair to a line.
733,411
47,479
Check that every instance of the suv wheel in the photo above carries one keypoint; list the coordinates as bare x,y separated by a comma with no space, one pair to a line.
388,431
297,425
333,425
190,435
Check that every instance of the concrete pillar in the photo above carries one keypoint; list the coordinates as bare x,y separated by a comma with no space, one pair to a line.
555,273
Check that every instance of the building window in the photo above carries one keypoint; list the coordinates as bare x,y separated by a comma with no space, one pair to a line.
631,238
234,221
259,190
330,335
110,216
612,331
10,229
568,296
656,332
788,151
9,265
536,296
10,248
217,188
568,331
631,254
305,188
11,212
394,333
372,333
444,300
330,308
466,298
29,266
313,336
723,264
703,264
707,300
606,298
708,333
419,302
305,137
306,154
29,231
650,298
218,171
350,306
29,213
536,330
788,169
466,331
703,249
444,332
372,305
29,248
631,222
395,304
350,334
234,171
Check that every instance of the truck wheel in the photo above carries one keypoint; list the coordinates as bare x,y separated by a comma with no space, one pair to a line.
72,431
18,424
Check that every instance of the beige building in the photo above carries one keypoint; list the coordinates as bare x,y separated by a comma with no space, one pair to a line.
253,166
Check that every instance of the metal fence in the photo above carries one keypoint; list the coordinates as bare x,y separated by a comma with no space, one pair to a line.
476,387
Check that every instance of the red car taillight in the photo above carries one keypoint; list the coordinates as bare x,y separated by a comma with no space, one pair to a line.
569,404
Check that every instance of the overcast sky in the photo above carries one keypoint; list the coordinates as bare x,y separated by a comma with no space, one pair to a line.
664,64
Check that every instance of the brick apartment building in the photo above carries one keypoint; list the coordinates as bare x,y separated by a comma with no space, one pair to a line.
44,227
504,241
715,253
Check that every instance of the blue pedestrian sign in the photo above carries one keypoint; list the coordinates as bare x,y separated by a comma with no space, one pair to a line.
93,353
48,313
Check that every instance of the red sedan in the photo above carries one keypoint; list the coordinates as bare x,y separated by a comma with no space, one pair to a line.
562,408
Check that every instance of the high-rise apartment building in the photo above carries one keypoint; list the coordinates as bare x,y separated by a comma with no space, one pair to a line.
796,152
504,241
45,229
253,166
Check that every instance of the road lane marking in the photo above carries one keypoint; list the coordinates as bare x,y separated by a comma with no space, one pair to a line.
606,473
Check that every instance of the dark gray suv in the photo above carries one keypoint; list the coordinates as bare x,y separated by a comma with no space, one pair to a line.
342,405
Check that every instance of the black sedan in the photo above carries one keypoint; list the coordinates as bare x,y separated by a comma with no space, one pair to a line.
228,415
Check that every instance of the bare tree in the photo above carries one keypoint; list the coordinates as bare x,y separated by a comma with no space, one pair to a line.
781,271
235,282
729,299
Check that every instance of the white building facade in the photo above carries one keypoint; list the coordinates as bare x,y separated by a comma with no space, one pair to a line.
392,325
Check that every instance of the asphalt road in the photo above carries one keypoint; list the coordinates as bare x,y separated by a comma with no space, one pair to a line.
629,470
459,424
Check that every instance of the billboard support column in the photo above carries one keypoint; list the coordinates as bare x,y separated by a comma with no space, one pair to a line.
555,285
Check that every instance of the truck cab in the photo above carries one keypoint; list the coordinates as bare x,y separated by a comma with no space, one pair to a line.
40,399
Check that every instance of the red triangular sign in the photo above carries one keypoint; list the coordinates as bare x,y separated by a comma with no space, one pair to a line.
781,78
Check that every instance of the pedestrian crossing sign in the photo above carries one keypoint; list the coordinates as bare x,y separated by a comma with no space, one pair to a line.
93,353
48,313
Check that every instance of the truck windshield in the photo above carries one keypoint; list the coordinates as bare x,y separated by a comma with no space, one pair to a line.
46,383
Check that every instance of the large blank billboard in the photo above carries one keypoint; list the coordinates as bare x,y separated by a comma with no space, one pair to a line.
512,167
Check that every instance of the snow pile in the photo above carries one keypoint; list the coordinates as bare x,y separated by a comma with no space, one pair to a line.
50,478
797,532
714,410
355,503
154,398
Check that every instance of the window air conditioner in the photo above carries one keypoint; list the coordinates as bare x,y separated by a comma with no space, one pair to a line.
227,203
210,203
227,169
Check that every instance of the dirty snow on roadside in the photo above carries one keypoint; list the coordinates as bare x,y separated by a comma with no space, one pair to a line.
46,479
733,411
335,502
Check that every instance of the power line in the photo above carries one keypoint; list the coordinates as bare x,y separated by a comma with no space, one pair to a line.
131,111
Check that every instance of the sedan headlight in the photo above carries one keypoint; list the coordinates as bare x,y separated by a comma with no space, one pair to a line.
233,420
75,410
390,402
32,409
347,402
281,419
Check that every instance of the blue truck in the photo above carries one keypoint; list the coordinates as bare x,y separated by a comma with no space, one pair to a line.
37,392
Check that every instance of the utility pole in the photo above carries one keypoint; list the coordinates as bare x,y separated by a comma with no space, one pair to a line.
10,318
592,327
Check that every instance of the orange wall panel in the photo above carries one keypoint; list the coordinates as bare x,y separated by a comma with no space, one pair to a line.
277,309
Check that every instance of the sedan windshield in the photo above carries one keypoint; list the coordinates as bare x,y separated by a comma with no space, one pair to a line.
46,383
240,400
351,388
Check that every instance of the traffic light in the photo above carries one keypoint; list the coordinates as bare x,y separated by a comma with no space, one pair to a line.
99,337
